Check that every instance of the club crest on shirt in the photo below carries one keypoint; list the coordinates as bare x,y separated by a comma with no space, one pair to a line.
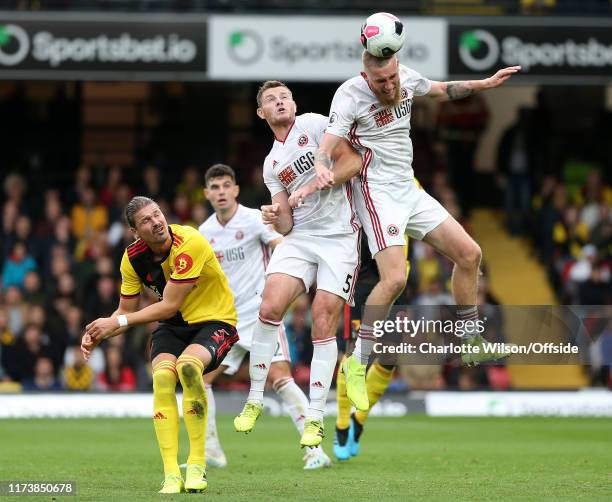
239,235
404,93
302,140
392,230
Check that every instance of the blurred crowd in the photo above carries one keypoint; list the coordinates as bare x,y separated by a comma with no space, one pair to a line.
573,236
567,214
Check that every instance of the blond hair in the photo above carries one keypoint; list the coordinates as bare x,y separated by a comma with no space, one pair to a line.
370,61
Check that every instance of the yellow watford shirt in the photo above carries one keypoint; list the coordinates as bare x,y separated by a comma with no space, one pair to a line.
191,260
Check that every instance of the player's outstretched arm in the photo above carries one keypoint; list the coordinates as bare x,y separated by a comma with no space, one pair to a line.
278,214
174,295
446,91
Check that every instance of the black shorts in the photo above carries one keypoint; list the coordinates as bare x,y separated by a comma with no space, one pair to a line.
362,291
215,336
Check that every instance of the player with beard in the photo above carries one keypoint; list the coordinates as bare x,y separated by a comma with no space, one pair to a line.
373,111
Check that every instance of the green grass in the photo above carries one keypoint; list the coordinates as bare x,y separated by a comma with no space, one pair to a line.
415,457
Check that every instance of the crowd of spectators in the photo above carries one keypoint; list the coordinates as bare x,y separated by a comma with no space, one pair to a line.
573,236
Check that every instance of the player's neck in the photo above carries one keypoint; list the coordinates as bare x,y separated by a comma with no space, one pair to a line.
281,131
225,216
160,250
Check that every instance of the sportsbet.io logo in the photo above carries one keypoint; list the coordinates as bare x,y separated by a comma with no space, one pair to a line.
14,44
478,49
245,46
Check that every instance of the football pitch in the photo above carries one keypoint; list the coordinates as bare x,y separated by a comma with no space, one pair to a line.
415,457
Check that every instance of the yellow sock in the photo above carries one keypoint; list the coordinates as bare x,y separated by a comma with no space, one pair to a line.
195,405
344,405
377,381
165,415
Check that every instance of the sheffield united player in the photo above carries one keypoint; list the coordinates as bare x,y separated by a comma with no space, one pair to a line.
242,244
373,111
321,244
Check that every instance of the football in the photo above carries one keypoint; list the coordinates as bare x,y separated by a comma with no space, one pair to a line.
382,35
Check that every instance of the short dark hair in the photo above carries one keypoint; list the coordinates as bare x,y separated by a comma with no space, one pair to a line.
269,84
217,171
135,205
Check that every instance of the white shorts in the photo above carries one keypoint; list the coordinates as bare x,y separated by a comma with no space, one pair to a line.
389,210
331,260
242,347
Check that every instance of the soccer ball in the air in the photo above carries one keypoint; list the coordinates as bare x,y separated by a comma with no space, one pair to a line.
382,35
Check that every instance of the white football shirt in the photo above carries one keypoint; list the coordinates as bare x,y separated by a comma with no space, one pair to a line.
289,166
381,134
241,247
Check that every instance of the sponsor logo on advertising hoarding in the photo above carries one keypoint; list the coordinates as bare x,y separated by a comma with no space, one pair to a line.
36,47
311,48
573,51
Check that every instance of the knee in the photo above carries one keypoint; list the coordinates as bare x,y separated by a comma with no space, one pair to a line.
164,378
469,256
189,371
270,311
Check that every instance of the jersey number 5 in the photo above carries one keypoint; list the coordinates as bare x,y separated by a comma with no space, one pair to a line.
347,283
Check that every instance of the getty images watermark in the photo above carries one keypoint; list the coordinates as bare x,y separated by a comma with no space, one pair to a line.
500,334
464,330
